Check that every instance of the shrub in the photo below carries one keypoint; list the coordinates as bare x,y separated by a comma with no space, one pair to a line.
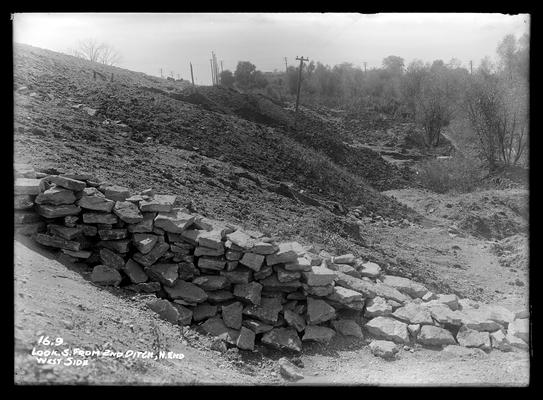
458,174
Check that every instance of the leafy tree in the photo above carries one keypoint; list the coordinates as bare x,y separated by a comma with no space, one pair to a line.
227,78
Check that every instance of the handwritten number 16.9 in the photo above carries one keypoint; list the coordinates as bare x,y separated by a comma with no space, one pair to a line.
48,342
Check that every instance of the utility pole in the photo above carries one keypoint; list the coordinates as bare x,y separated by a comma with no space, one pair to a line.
301,59
471,67
221,68
191,74
212,73
162,76
365,63
286,65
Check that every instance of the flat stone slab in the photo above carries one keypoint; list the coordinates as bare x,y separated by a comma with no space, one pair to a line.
106,276
241,239
56,196
389,329
186,291
146,287
116,192
238,275
212,239
377,307
175,221
64,232
287,252
112,234
216,327
145,226
67,183
253,261
434,336
273,283
27,186
349,259
286,276
211,282
165,310
128,212
204,311
96,203
99,218
150,258
264,248
283,339
211,263
370,289
345,296
120,246
250,292
404,285
412,313
167,274
219,296
319,334
84,254
159,203
135,272
50,211
319,276
111,259
257,326
58,242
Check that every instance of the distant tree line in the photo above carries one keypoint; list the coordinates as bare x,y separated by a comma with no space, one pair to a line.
492,98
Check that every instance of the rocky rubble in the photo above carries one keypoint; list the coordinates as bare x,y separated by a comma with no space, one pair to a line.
241,286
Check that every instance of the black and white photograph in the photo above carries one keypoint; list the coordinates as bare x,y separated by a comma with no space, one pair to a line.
271,199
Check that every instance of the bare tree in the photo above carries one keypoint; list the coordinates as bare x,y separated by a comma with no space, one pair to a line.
92,50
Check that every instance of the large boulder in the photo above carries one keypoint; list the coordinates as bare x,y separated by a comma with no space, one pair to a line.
283,339
370,270
111,259
106,276
186,291
204,311
67,183
288,370
389,329
116,192
370,289
215,326
295,320
471,338
165,310
434,336
150,258
345,296
96,202
55,241
319,334
319,311
144,242
246,339
135,272
253,261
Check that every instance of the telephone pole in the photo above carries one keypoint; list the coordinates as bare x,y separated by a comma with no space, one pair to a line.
365,63
191,74
212,73
221,68
301,59
471,67
162,76
286,65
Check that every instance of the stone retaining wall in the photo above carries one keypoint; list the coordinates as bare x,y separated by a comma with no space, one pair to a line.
242,286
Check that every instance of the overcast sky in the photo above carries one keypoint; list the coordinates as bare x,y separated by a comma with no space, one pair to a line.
148,42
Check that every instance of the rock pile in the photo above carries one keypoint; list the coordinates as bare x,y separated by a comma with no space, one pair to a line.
241,286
